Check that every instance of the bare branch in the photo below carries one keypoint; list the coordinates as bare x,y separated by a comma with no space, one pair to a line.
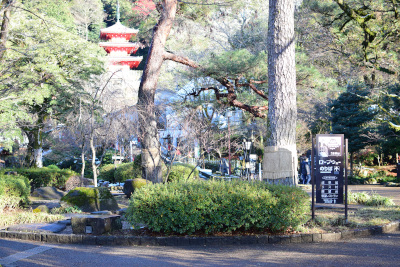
179,59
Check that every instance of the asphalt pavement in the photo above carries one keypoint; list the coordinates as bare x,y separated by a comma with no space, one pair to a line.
381,250
376,250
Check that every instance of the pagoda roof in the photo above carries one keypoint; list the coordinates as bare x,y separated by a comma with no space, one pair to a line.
132,62
118,28
127,58
114,44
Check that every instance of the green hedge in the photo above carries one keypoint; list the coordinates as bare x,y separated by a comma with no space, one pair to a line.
218,206
107,172
127,171
14,191
45,176
180,172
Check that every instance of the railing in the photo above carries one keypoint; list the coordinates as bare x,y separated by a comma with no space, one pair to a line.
235,164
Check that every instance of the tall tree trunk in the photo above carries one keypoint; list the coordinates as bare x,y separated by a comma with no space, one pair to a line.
151,150
94,167
83,161
5,6
280,155
35,151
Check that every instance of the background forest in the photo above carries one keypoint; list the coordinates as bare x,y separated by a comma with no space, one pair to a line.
347,62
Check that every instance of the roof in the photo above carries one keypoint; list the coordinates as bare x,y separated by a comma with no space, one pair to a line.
113,44
118,28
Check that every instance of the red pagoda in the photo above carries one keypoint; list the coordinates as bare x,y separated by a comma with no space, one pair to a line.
118,46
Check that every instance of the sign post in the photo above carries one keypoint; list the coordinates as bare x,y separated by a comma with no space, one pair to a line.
313,178
330,168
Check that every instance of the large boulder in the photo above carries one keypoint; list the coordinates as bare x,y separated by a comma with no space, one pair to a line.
90,199
76,181
131,185
48,192
95,224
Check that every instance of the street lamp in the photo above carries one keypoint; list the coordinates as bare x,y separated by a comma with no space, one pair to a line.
246,148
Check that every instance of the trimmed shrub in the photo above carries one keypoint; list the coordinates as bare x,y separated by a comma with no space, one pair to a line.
14,191
218,206
180,172
45,176
107,172
53,167
129,170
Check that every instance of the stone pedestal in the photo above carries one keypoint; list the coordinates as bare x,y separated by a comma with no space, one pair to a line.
95,224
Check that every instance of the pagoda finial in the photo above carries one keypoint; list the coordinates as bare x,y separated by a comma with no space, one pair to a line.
118,15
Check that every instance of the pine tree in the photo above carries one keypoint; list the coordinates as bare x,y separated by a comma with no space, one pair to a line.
350,114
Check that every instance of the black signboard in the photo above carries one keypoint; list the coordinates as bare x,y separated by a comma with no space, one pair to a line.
329,168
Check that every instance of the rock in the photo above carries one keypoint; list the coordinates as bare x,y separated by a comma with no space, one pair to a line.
101,212
128,188
90,199
42,208
131,185
121,211
77,181
105,184
95,224
48,193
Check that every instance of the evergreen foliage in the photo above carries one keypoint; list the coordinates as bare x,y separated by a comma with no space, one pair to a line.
350,115
14,191
39,177
216,206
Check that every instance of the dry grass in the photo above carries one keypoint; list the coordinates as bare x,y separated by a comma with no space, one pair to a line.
13,217
333,220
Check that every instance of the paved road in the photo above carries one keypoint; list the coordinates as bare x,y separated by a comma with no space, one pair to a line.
381,250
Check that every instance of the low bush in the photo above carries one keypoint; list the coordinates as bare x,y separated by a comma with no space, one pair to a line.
107,172
218,206
354,180
45,176
127,171
372,199
181,172
14,191
53,167
63,210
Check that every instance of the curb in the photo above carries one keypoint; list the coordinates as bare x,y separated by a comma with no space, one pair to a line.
199,241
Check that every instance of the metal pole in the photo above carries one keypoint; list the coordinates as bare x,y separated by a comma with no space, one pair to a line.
346,180
312,179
